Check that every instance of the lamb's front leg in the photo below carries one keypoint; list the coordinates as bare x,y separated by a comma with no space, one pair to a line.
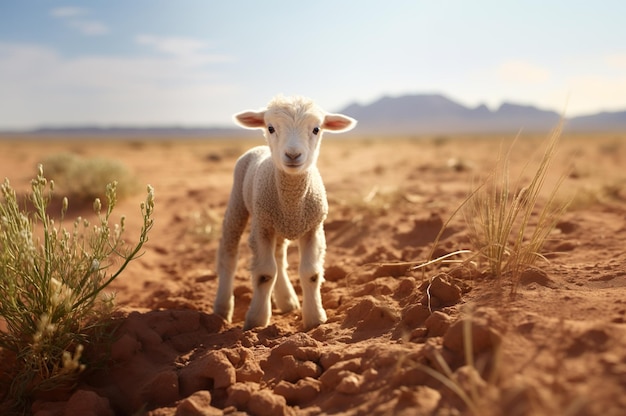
262,243
285,297
312,252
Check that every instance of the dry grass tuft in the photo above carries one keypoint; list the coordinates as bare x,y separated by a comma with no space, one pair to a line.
509,222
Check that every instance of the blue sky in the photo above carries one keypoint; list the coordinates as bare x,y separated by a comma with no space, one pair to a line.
195,63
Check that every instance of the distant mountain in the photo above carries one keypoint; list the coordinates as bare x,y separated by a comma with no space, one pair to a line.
605,121
407,115
434,113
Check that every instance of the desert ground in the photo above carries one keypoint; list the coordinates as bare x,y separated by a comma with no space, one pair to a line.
554,344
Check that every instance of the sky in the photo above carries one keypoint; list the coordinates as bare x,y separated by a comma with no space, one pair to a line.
194,63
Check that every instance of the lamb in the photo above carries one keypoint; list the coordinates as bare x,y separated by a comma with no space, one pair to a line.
279,186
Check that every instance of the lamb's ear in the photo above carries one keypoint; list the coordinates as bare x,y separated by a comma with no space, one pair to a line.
338,123
251,119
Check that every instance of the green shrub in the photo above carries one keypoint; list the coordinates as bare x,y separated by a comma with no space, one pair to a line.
51,284
83,180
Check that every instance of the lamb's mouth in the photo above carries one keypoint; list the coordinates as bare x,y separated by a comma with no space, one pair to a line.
294,165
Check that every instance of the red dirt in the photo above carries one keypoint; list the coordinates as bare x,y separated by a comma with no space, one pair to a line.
557,347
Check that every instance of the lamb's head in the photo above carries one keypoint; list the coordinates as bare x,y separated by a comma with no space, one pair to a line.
293,128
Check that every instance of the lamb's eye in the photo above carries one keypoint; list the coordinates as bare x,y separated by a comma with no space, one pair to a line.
316,130
271,129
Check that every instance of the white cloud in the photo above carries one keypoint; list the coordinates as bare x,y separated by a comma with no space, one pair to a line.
65,12
42,87
590,93
173,45
191,50
591,84
89,27
519,71
74,18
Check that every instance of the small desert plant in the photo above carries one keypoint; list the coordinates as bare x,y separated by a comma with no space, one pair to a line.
51,284
507,224
82,179
205,225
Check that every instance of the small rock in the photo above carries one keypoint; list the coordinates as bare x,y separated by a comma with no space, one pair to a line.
266,403
303,391
444,290
215,366
420,400
350,383
87,403
124,348
437,324
249,371
198,404
162,389
302,346
469,378
294,370
334,273
239,394
533,275
481,336
406,287
391,269
333,376
371,315
415,315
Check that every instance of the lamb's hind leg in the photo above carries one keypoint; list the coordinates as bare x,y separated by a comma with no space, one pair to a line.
284,295
263,245
312,252
234,224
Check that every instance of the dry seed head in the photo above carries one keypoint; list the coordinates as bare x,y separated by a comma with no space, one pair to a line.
71,362
111,187
97,205
149,206
45,328
60,293
107,298
522,196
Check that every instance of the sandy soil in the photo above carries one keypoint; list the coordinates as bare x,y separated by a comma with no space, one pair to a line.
557,347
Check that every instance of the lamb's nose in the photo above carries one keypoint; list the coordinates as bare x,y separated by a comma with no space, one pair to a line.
293,155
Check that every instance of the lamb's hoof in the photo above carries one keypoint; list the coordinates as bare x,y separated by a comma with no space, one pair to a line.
255,321
251,325
313,322
287,304
224,311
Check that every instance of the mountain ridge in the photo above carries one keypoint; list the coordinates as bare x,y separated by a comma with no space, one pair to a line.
436,113
404,114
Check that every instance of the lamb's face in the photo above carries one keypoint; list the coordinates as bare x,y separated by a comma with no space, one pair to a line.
293,127
294,142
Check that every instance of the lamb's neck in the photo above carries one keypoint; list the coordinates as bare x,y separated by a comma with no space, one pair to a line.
292,189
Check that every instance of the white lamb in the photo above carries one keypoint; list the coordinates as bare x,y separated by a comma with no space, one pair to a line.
280,187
